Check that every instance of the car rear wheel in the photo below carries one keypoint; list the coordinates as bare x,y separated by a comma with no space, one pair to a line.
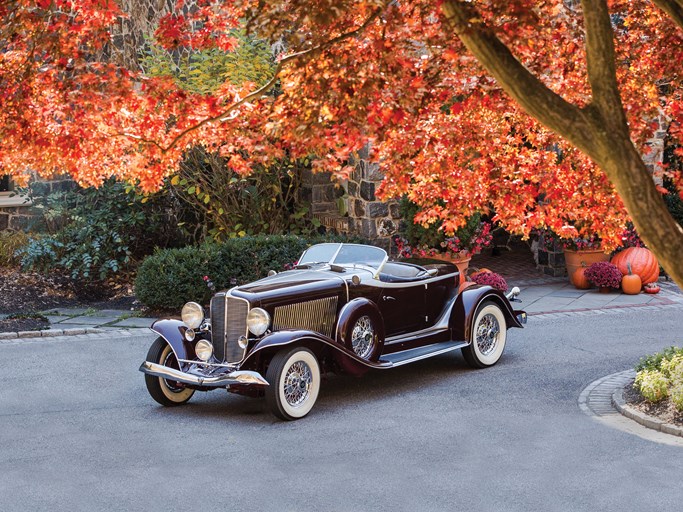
487,339
166,392
294,378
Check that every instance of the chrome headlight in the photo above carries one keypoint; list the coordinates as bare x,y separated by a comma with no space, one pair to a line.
204,350
192,315
258,321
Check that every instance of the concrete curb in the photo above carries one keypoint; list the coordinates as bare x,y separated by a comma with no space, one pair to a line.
640,417
6,337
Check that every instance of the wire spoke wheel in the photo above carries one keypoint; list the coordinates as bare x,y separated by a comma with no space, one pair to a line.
363,337
294,382
488,336
488,333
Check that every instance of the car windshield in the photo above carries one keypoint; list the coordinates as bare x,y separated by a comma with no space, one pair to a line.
345,255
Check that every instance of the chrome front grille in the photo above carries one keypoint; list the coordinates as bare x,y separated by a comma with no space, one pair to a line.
228,323
315,315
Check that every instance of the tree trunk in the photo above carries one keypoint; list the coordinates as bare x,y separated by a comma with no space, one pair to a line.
599,130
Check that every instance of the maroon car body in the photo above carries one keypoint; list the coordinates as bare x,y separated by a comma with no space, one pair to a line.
343,308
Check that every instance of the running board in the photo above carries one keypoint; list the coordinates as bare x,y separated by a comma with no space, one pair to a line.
415,354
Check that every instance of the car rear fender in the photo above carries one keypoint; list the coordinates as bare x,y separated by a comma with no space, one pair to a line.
465,307
320,345
173,331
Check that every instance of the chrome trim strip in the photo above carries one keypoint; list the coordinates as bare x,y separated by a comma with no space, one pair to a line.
236,377
430,354
206,363
381,284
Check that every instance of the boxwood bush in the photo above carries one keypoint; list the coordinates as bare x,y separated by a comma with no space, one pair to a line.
170,277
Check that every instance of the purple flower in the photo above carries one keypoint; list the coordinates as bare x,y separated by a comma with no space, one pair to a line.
604,274
492,279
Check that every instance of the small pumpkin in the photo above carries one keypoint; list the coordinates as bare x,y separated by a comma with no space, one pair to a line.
480,271
579,279
643,263
631,283
652,288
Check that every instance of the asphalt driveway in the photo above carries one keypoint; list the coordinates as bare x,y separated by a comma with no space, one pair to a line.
79,432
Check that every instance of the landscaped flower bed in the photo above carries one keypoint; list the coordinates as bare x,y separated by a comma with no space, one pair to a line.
658,388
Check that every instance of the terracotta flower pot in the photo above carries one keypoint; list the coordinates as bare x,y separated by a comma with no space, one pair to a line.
462,262
576,259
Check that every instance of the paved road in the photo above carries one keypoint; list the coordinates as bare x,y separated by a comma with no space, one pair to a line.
78,432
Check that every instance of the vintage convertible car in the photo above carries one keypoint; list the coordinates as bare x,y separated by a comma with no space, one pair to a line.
343,308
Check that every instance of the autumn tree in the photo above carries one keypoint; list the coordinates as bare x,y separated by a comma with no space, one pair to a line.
539,111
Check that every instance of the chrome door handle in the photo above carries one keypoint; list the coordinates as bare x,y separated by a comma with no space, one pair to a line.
388,297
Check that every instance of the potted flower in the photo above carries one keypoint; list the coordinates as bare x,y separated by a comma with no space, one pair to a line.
432,242
604,275
579,251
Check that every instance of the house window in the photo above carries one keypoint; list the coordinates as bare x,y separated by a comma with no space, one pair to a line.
5,185
8,197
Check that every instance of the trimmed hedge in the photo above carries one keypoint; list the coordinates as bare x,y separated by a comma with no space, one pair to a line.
171,277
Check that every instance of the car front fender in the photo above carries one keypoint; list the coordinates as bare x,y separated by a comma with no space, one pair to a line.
173,331
465,307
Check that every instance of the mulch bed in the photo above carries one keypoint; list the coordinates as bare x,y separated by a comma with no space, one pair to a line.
29,292
663,411
23,324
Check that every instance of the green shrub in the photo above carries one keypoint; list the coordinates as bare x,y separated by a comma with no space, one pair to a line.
97,233
654,361
652,385
169,278
10,243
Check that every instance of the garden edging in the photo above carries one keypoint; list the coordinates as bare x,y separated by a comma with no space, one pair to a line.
51,333
644,419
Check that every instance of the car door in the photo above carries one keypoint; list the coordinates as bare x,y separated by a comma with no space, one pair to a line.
437,295
403,308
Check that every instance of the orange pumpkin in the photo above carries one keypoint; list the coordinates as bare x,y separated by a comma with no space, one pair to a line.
579,279
643,263
479,271
631,283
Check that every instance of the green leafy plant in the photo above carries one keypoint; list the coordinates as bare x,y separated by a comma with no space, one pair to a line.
228,205
94,234
654,361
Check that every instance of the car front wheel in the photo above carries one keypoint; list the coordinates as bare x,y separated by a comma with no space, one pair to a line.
487,339
294,378
164,391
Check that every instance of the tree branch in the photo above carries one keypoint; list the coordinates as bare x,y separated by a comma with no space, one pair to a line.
223,116
526,89
601,64
673,8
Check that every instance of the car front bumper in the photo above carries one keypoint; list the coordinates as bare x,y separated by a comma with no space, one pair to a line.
219,379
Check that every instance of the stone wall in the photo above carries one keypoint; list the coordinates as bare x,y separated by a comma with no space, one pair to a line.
351,206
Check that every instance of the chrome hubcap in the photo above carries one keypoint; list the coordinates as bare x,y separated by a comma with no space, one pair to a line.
487,334
297,383
362,337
